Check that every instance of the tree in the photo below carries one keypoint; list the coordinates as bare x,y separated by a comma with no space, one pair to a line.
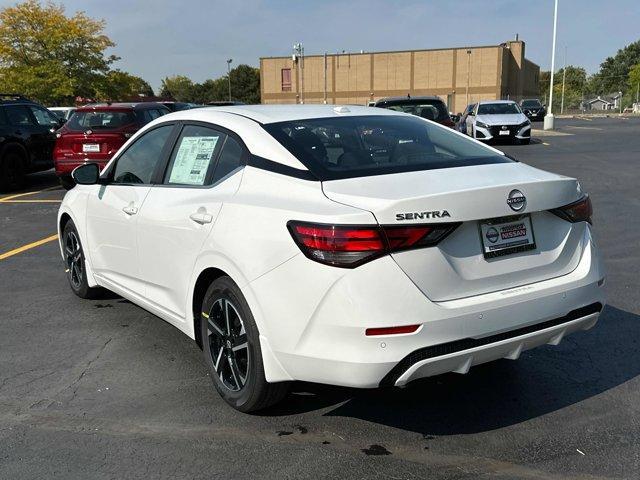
245,84
634,81
178,87
49,56
121,86
614,71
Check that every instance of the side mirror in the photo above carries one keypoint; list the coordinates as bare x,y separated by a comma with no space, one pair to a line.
471,113
87,174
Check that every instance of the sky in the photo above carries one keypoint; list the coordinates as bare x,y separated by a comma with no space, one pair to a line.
159,38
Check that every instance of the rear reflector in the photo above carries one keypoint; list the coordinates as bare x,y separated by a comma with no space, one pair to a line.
371,332
579,211
348,246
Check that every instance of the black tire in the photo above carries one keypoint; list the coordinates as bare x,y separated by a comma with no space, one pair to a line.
12,170
223,348
524,141
67,182
75,263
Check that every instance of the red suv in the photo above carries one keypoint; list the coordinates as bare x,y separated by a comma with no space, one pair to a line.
95,132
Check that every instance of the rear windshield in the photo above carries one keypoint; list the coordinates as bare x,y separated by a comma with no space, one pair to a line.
429,109
100,120
346,147
498,109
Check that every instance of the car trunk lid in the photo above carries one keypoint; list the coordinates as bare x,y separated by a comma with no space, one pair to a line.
457,267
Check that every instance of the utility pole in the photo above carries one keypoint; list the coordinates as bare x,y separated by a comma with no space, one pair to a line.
229,75
298,53
564,76
468,72
549,120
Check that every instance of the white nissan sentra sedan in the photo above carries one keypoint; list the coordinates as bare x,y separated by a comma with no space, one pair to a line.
333,244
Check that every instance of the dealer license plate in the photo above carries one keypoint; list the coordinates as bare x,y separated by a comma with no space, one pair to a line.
503,132
91,147
501,237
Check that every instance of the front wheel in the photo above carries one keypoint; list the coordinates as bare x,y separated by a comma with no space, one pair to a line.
67,182
231,347
75,263
524,141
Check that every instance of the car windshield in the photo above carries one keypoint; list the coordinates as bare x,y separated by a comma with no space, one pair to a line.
346,147
429,109
498,109
100,120
531,103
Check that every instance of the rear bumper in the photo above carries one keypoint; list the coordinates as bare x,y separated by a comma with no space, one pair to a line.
319,335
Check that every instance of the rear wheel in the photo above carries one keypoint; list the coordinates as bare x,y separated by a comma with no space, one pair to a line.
12,170
231,348
75,263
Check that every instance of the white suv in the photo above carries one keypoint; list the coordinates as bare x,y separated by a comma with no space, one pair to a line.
338,245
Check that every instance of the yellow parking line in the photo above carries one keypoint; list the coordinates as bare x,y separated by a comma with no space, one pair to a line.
11,197
30,201
29,246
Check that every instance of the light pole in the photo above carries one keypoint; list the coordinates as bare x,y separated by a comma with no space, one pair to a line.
564,76
549,119
298,53
468,72
229,75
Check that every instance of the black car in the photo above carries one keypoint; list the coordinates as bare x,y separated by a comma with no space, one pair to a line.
27,138
177,106
533,109
431,108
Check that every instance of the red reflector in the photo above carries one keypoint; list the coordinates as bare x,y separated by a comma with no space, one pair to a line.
370,332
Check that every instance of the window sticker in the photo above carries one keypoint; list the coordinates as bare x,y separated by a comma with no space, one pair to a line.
192,160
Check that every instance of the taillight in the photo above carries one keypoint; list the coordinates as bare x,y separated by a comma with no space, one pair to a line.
348,246
579,211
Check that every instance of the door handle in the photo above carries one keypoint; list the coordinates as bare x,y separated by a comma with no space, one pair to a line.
201,218
130,210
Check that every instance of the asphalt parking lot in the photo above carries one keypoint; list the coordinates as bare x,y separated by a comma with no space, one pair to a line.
104,390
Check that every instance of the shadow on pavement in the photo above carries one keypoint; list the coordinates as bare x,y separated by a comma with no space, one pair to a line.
497,394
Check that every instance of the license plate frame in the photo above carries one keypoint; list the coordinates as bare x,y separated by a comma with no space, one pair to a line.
504,132
512,234
90,148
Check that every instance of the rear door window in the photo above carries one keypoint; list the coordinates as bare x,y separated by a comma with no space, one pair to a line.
194,156
44,117
19,115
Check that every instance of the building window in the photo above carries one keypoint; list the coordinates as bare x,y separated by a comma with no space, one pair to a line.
285,75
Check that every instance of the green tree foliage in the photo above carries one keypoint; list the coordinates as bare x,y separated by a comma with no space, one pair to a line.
245,87
614,71
634,82
118,85
575,87
51,57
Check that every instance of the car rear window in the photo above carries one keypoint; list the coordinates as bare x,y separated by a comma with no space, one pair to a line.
100,120
430,109
346,147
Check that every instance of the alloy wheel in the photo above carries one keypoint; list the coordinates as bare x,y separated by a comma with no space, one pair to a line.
73,257
228,344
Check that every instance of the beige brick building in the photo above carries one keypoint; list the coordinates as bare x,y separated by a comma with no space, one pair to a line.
457,75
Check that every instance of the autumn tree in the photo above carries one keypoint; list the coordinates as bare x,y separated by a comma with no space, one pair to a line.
50,56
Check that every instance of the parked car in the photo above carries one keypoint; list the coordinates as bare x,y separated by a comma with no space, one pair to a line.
224,103
95,132
342,245
431,108
63,113
27,137
177,106
461,125
498,120
533,109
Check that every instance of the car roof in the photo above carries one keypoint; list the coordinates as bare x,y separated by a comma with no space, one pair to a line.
481,102
121,106
61,108
409,99
282,113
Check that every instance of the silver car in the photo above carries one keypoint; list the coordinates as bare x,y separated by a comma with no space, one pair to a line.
498,120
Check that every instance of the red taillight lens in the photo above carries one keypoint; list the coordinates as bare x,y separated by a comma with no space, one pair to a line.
579,211
370,332
349,246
